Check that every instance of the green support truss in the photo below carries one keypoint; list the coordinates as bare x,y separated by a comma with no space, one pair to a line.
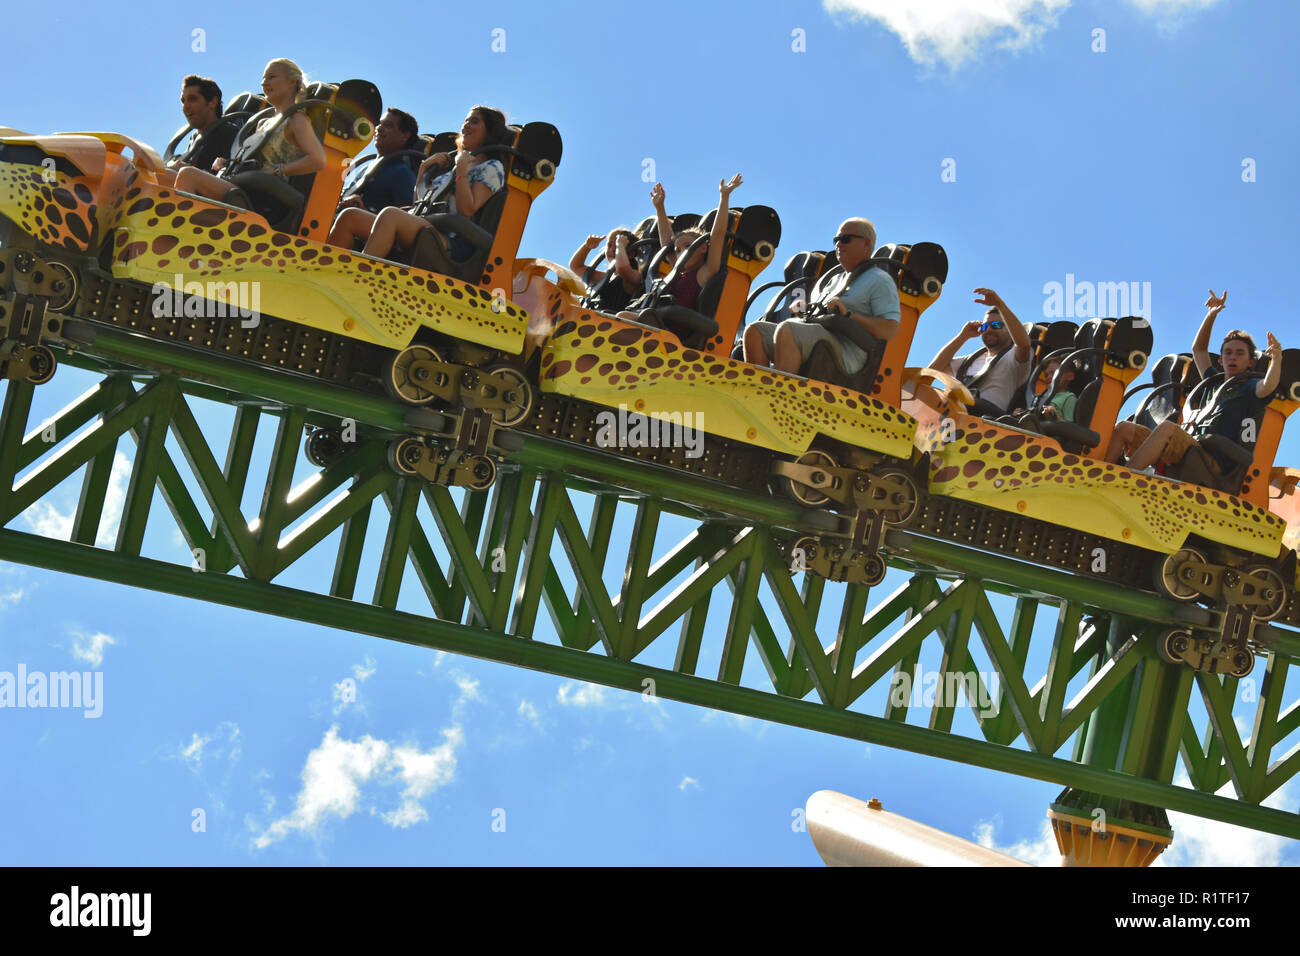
541,539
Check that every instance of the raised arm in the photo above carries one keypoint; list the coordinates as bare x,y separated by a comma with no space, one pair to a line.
943,361
1268,384
622,264
1201,347
657,199
718,238
578,263
1024,351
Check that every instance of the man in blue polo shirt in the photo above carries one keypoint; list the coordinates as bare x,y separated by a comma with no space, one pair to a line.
862,292
392,183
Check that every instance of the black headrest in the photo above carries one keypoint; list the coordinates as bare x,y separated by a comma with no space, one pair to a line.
246,103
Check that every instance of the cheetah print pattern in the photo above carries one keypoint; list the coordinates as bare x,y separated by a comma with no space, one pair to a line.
613,363
62,214
162,233
1032,476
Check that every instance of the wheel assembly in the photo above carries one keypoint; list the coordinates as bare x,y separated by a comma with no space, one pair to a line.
408,380
873,570
900,501
324,447
1172,645
517,398
483,471
63,285
1271,592
803,493
404,455
41,365
1174,575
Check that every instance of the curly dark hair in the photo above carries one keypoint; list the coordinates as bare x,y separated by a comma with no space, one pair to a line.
208,88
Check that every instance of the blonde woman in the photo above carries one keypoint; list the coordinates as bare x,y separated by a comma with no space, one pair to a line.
290,149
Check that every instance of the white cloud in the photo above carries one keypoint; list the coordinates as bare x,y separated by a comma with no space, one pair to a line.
1040,852
337,771
688,783
1202,842
954,31
11,597
362,671
528,712
90,647
44,519
1163,7
468,688
227,745
345,691
581,694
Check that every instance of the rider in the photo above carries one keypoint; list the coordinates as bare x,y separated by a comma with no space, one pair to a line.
995,372
467,181
1233,412
201,104
292,149
862,292
389,184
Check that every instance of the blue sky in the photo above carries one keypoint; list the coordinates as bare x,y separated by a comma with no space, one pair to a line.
1123,165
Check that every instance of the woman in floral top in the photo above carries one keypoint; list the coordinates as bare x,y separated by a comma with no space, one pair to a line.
468,181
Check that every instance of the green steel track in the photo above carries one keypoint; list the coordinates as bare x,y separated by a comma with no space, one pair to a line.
1124,731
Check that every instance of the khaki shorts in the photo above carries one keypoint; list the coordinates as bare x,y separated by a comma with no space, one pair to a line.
1176,449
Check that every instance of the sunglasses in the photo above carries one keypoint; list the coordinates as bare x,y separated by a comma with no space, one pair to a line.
992,324
844,238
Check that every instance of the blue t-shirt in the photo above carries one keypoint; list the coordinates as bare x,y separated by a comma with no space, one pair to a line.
873,292
392,185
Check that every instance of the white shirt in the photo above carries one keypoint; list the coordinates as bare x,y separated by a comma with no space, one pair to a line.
1000,385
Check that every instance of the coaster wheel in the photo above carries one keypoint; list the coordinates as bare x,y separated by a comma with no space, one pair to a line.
43,365
404,455
800,492
406,383
1171,645
518,397
1171,575
483,472
1273,594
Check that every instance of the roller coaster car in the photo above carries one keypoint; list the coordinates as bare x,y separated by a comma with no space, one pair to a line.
614,364
77,199
1010,469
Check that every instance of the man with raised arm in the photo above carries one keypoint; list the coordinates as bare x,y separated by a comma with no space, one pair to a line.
995,372
1234,411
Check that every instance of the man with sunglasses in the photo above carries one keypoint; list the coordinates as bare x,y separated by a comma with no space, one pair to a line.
995,372
862,293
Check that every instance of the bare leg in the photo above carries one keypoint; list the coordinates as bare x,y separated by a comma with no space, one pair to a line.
194,180
1149,451
1121,440
755,351
351,225
392,226
787,356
